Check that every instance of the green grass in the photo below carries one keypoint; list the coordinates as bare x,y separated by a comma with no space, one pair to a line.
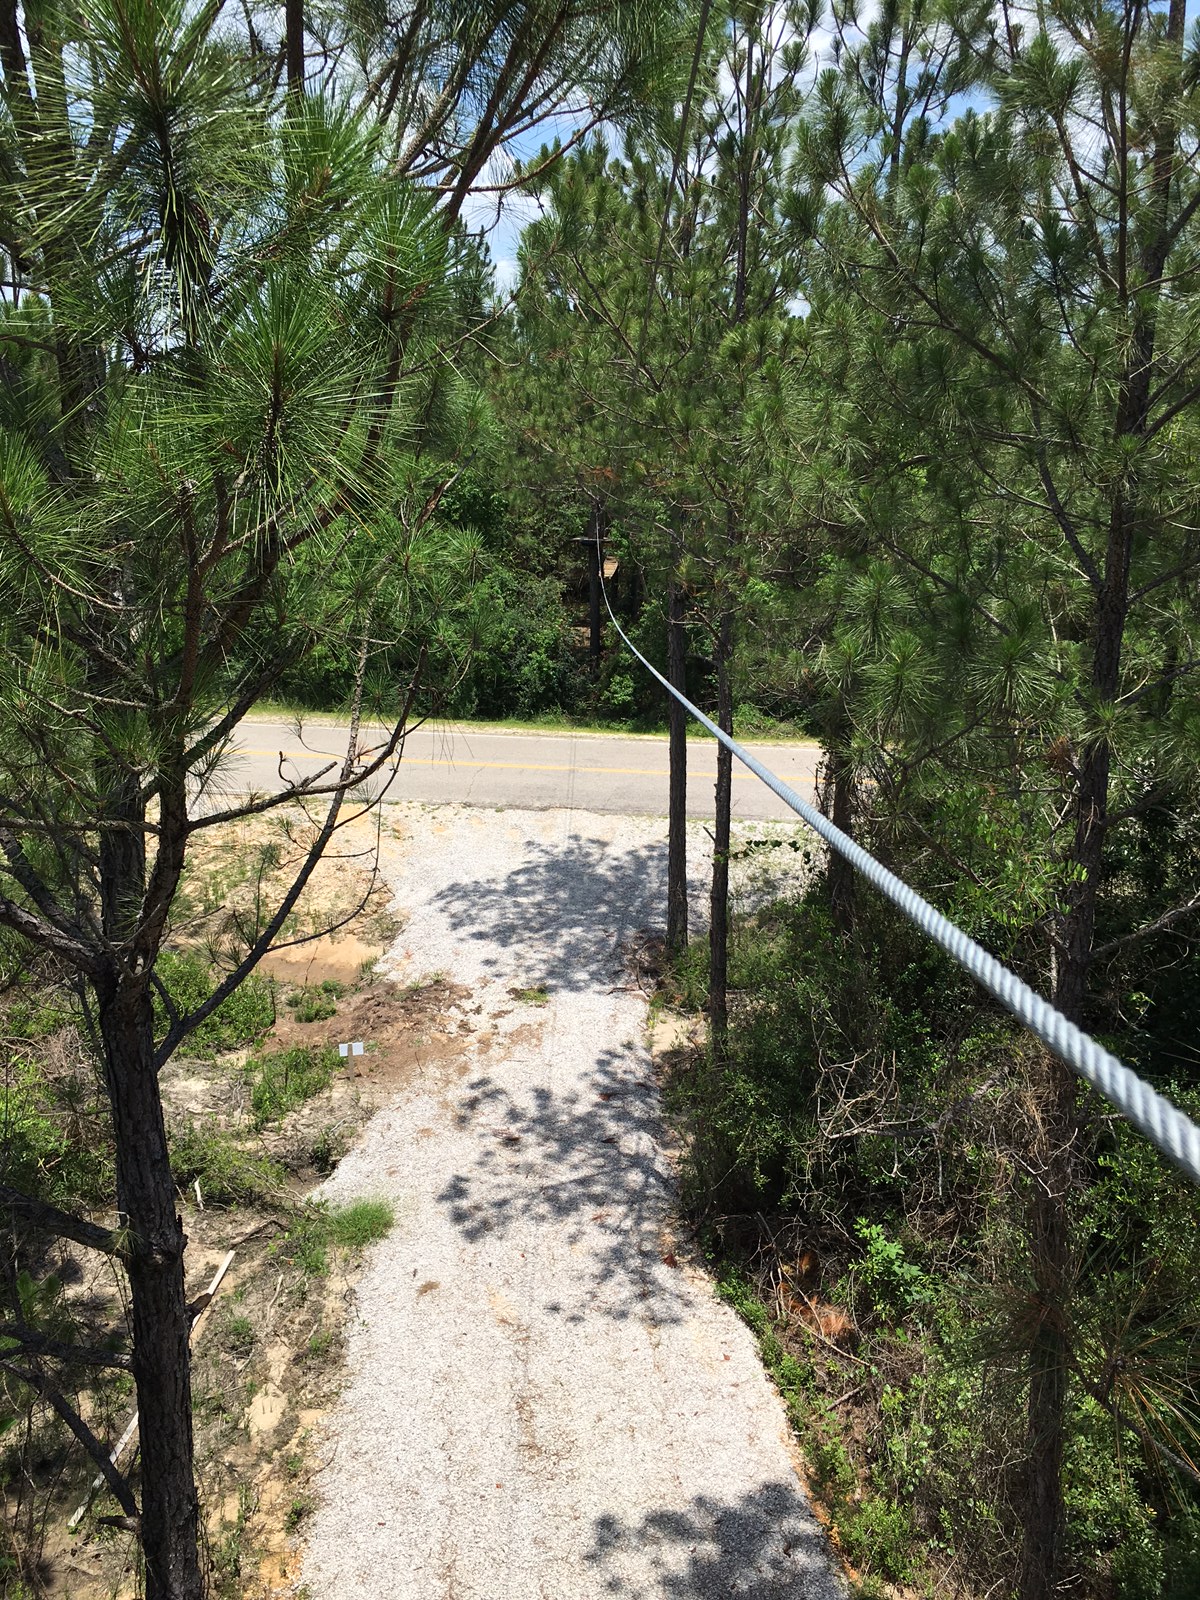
319,1228
318,1003
301,1507
240,1335
537,996
228,1174
320,1344
281,1080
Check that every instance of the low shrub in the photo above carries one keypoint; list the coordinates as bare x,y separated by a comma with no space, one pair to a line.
241,1020
229,1174
316,1004
281,1080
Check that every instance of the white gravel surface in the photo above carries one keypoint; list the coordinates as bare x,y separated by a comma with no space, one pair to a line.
537,1406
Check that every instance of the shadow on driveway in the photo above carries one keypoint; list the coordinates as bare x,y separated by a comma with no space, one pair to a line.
764,1546
561,916
585,1165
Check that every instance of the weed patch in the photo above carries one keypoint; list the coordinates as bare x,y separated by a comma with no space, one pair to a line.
284,1079
229,1175
316,1004
243,1019
319,1228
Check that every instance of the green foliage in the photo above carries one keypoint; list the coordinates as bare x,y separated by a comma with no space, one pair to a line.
829,1038
879,1535
328,1148
318,1003
362,1222
229,1174
536,996
55,1138
240,1335
281,1080
242,1019
319,1227
891,1283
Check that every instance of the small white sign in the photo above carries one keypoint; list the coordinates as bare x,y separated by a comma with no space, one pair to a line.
343,1049
356,1049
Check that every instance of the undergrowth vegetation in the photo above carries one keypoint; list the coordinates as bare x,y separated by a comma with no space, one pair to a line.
281,1080
234,1154
859,1167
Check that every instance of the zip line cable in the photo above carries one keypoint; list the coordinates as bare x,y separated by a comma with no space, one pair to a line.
1166,1127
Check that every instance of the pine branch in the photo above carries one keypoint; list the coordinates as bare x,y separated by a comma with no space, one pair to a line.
46,1218
116,1482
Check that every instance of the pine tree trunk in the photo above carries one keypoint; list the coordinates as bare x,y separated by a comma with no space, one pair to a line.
293,22
146,1199
595,559
718,938
677,899
1050,1218
161,1324
840,876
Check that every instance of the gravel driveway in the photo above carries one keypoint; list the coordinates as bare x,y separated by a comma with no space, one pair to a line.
537,1406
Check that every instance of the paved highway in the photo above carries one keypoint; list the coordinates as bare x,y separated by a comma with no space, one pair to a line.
501,767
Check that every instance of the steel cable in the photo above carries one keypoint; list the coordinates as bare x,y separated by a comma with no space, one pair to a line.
1168,1128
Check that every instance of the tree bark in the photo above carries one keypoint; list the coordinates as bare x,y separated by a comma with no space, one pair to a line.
1049,1224
677,900
718,936
595,558
161,1325
170,1518
840,875
293,14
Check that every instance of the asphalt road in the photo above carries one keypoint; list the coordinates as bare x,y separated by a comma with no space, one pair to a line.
499,767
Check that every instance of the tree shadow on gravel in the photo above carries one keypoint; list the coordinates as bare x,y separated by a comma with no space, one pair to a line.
764,1546
588,1165
563,914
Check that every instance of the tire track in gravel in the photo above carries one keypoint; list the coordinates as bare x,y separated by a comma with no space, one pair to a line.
537,1406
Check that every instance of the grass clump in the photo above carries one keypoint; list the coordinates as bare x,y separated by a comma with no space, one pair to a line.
537,996
240,1334
281,1080
320,1228
228,1174
361,1223
318,1003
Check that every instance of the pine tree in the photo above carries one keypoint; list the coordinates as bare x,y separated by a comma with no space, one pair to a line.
1016,267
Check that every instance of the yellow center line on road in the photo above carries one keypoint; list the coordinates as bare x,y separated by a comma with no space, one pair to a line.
510,766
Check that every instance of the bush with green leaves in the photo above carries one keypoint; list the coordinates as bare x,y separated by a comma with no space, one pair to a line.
872,1100
240,1020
